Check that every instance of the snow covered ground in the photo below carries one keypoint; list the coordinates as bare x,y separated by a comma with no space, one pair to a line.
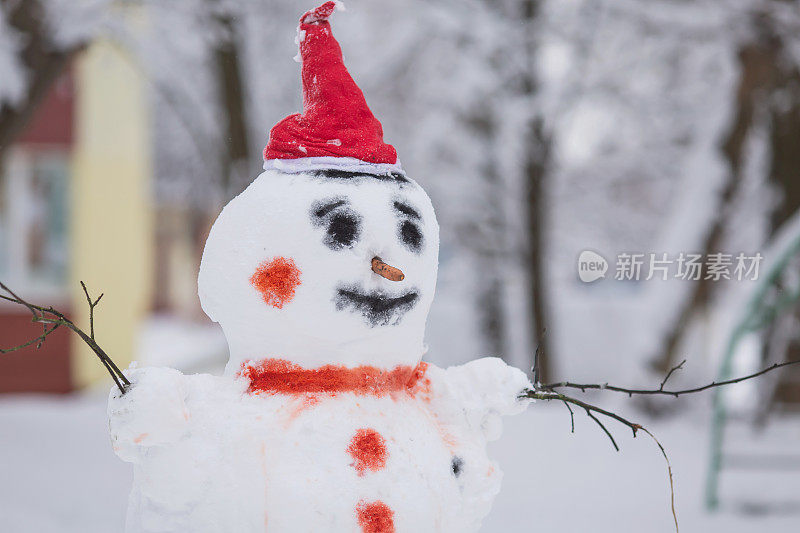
59,475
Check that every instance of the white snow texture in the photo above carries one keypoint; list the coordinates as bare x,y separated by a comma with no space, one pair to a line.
209,455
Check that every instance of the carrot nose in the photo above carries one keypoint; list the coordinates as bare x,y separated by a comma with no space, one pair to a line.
387,271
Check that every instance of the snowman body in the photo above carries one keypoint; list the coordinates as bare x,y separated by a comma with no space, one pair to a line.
211,454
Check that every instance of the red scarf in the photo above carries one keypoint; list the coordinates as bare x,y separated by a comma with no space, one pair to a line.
278,376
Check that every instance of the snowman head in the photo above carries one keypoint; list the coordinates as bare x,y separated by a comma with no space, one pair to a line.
330,255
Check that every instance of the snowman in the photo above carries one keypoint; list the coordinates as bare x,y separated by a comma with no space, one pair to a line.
321,274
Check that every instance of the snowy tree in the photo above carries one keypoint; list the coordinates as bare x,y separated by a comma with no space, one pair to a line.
38,39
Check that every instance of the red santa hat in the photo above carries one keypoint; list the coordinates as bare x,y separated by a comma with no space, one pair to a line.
336,129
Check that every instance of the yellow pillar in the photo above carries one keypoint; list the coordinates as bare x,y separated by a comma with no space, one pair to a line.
111,212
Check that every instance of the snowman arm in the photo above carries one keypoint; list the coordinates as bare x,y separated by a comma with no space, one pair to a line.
152,411
478,394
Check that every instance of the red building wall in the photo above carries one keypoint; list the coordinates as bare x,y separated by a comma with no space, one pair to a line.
53,122
30,370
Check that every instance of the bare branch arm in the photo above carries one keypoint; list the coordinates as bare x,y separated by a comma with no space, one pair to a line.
50,315
92,305
660,391
589,408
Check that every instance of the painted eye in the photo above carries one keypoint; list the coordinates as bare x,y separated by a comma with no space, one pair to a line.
411,235
343,230
341,223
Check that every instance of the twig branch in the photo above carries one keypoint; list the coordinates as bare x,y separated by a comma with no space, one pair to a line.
604,428
669,472
38,341
50,315
592,410
92,305
571,417
17,299
669,374
552,395
583,387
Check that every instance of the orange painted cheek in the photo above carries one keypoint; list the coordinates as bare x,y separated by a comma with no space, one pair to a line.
276,279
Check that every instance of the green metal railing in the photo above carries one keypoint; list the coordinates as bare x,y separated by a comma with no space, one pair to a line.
768,302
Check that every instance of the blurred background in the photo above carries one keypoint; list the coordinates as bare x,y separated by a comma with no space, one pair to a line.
540,129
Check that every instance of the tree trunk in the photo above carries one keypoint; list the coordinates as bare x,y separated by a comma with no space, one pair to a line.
757,70
491,249
235,158
535,180
783,343
42,60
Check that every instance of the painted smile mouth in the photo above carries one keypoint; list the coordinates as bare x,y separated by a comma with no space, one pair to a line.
377,308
